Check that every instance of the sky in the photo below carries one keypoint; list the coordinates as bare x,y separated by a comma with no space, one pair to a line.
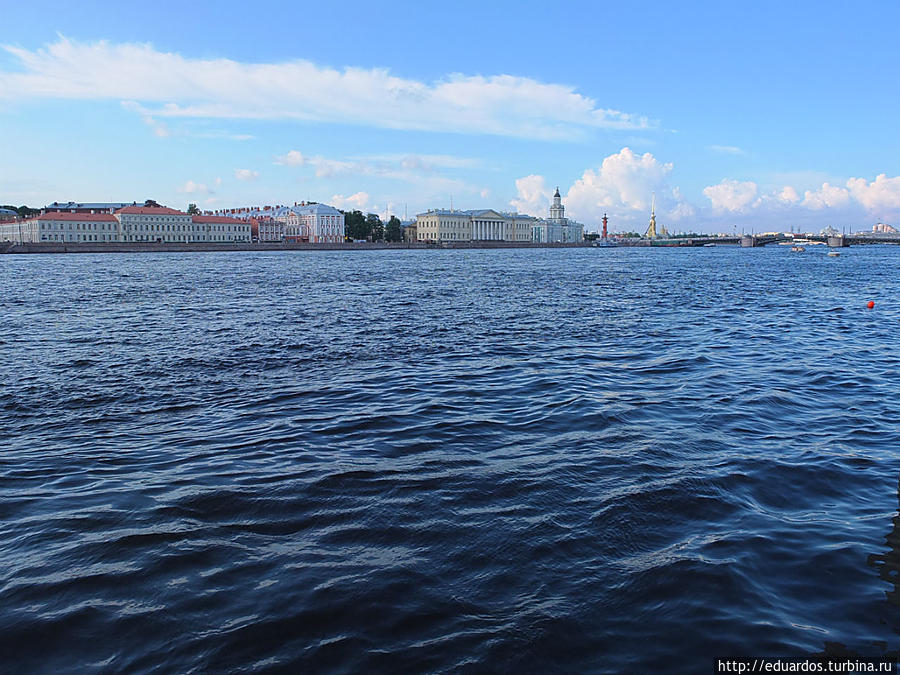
732,116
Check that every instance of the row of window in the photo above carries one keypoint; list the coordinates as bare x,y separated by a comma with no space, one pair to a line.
78,226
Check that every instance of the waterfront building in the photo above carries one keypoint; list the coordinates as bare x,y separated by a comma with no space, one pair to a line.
444,225
557,229
138,223
884,228
409,230
270,229
303,222
491,225
19,231
156,223
314,223
8,216
69,226
521,227
220,229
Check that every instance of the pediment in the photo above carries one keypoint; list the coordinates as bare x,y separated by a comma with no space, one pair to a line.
489,214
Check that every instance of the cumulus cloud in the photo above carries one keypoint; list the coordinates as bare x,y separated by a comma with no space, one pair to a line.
731,195
622,186
827,196
180,86
532,195
854,205
623,179
191,187
246,174
789,195
358,201
292,158
882,194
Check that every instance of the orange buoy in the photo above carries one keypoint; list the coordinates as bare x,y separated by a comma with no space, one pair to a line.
870,304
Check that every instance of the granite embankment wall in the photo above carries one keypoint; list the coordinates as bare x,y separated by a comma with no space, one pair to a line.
148,247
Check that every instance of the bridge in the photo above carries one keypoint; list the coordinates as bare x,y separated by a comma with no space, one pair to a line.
833,240
757,240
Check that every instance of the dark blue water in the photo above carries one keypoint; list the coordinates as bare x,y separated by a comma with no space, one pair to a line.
447,461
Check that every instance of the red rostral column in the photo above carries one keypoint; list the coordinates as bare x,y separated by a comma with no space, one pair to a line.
604,226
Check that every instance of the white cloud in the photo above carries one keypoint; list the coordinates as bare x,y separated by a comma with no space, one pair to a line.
789,194
731,195
827,196
533,195
246,174
725,149
858,203
422,171
190,187
622,186
292,158
623,179
358,201
882,194
485,193
179,86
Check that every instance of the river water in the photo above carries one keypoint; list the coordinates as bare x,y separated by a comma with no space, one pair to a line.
592,460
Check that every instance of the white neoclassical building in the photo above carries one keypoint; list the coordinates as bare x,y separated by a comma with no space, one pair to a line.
19,231
139,224
441,225
220,229
444,225
67,226
315,223
557,229
155,223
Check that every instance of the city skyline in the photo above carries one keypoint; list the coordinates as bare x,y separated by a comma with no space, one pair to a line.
765,117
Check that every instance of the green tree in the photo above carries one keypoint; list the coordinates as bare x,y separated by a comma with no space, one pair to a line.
394,230
375,226
193,210
355,225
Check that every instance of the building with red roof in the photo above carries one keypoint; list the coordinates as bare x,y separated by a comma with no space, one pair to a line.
139,223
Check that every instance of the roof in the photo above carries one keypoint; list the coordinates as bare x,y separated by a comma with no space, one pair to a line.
80,217
87,205
445,212
151,211
216,219
322,209
9,212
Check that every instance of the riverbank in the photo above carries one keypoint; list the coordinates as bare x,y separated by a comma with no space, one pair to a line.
201,247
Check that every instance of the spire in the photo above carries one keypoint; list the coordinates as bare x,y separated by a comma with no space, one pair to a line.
653,204
556,194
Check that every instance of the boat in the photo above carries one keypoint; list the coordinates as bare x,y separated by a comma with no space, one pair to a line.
797,249
833,254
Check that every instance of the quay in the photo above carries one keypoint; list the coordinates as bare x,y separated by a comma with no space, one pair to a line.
216,247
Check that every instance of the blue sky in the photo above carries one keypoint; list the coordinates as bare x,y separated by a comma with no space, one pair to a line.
740,116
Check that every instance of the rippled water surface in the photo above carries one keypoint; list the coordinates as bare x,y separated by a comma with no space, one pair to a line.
447,461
